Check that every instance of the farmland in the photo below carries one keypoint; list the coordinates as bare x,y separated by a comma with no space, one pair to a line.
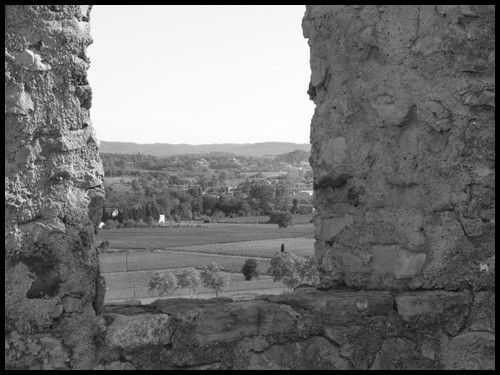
202,234
133,285
140,251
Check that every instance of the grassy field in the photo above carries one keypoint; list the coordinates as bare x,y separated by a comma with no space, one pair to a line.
174,248
170,237
123,286
154,260
296,219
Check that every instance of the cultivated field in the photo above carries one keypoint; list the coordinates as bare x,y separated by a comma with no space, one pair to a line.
296,219
202,234
140,251
133,285
156,260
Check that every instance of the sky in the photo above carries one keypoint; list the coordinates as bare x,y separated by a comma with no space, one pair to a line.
199,74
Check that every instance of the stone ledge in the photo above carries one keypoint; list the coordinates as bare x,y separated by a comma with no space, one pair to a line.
354,329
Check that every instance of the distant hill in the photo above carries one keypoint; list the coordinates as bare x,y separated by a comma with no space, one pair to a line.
167,149
294,157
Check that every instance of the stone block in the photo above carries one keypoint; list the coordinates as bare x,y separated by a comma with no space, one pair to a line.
128,332
470,351
332,226
447,310
72,304
394,260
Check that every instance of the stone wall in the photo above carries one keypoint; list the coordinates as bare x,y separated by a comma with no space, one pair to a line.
403,160
53,190
403,148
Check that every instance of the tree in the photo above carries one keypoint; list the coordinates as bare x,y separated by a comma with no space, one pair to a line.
189,278
249,269
282,218
213,278
293,270
282,193
104,246
163,283
282,269
295,207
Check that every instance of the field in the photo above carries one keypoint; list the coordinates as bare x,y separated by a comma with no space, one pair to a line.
296,219
155,260
133,285
135,253
203,234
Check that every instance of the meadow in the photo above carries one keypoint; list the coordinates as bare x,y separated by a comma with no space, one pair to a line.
156,260
133,285
135,253
201,234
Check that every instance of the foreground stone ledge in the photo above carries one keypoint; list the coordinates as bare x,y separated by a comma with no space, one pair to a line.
306,329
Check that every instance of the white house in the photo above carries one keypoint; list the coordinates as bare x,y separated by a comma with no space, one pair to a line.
161,219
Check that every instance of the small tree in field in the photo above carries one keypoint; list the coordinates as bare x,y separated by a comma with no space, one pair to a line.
282,218
293,270
190,279
163,283
249,269
213,278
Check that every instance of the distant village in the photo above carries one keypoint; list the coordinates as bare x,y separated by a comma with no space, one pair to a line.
152,190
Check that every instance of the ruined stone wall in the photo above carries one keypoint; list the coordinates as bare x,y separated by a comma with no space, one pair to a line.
53,193
403,148
403,160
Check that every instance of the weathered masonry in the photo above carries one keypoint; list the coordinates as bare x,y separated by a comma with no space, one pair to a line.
403,159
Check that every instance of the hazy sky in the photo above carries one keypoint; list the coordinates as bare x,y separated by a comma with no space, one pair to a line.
199,74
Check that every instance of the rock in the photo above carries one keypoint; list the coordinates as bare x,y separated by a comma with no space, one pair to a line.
470,351
427,350
234,321
117,365
390,112
31,61
482,313
338,307
396,353
333,226
339,334
396,261
313,354
46,205
473,227
435,309
128,332
72,304
334,151
17,100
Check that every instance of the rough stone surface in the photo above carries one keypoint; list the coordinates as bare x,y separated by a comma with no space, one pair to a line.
403,144
53,179
138,330
403,161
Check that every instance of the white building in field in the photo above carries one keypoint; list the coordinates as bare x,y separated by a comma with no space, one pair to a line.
161,219
101,225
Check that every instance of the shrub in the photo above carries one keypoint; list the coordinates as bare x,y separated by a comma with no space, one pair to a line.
150,221
282,218
129,223
189,278
213,278
163,283
249,269
110,224
140,224
293,270
104,245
